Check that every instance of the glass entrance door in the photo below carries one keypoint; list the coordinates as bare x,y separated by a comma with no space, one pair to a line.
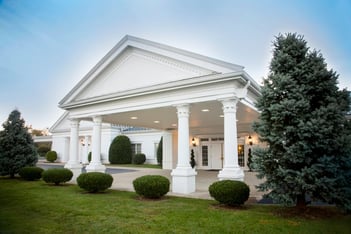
211,154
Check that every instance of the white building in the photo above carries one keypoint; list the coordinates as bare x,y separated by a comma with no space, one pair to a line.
160,91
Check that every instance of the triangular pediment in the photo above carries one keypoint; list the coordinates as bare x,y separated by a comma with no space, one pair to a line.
136,68
136,63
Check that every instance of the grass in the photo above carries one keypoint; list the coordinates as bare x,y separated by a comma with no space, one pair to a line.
35,207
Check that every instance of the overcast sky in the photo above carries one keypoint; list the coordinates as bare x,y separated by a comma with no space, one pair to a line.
47,46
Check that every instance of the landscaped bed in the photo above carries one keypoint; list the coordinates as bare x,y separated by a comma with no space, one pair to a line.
36,207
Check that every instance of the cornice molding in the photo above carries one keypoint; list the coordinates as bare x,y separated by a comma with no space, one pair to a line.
154,89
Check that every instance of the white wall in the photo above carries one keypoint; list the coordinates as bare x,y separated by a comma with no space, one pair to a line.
148,140
60,144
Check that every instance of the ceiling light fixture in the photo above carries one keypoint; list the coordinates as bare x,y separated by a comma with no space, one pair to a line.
205,110
156,121
133,117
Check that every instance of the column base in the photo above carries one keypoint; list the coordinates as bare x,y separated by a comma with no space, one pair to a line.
95,167
183,180
234,173
76,168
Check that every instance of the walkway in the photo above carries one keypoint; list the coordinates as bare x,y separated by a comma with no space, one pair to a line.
123,179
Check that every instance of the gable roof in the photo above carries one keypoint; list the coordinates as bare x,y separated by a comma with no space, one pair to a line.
130,43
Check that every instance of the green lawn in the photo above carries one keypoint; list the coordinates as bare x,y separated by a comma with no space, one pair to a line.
35,207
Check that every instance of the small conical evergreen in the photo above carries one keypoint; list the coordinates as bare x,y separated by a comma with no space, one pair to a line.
249,159
192,159
16,146
160,152
303,123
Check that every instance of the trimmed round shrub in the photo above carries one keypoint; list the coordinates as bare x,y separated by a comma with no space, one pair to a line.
30,173
57,175
151,186
94,182
51,156
120,151
230,192
139,159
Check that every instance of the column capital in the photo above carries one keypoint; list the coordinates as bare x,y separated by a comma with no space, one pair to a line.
229,104
97,119
183,110
74,122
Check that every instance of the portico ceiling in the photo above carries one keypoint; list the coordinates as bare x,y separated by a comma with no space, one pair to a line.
205,118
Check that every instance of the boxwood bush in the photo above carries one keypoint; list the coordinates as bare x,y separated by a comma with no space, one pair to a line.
120,151
51,156
230,192
30,173
151,186
57,175
138,159
94,182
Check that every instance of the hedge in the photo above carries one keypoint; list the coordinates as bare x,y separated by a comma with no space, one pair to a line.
94,182
57,175
230,192
30,173
151,186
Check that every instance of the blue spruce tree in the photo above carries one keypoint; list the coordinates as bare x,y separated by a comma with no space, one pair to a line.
303,123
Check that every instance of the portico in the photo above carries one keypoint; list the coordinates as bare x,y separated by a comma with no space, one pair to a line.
184,95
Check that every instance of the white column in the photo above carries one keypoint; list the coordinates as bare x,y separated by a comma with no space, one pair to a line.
86,150
183,177
73,163
95,163
231,169
167,150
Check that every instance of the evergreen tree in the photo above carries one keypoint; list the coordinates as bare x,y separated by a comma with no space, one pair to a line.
192,158
303,123
160,152
249,159
16,146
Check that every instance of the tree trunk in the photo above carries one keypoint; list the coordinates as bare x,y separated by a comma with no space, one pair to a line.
301,202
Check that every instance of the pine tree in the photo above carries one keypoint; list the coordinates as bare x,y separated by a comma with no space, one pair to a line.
303,123
16,146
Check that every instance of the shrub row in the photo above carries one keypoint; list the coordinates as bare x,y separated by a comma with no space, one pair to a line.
228,192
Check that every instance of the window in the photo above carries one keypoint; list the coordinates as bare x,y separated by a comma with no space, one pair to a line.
241,157
204,155
136,149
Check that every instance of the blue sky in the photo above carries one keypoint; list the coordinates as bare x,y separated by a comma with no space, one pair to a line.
46,47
